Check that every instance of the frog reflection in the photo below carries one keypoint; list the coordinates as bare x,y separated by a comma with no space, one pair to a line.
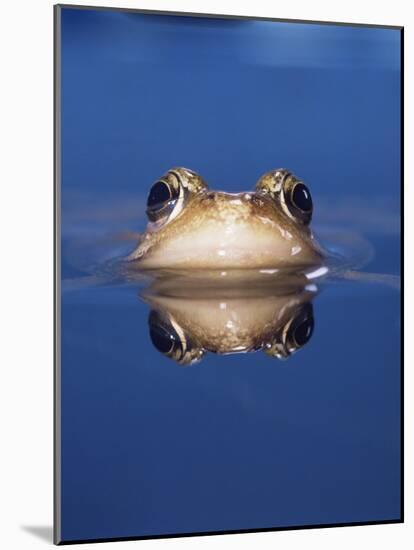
185,326
192,227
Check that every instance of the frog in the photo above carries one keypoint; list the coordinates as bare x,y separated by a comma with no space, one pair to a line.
191,227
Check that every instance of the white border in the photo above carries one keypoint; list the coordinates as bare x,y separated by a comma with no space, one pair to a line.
26,175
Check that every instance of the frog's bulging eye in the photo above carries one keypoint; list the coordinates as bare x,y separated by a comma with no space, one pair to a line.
161,200
290,192
301,197
169,195
159,194
170,340
299,201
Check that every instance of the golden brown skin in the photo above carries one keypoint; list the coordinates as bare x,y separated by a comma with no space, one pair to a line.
215,230
186,324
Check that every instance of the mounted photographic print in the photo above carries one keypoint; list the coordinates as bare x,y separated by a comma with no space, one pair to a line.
228,202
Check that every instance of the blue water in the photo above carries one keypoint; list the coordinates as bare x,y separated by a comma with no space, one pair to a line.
240,441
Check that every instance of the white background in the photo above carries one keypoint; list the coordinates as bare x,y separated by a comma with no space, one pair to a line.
26,313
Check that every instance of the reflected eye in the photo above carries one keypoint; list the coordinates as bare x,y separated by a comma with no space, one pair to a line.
302,333
170,340
294,335
162,340
299,201
301,329
161,200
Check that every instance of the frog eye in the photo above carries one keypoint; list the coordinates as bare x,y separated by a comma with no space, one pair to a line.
291,193
294,335
298,201
161,200
169,339
169,194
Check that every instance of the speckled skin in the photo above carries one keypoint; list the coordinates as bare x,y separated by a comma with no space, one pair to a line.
217,230
232,325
